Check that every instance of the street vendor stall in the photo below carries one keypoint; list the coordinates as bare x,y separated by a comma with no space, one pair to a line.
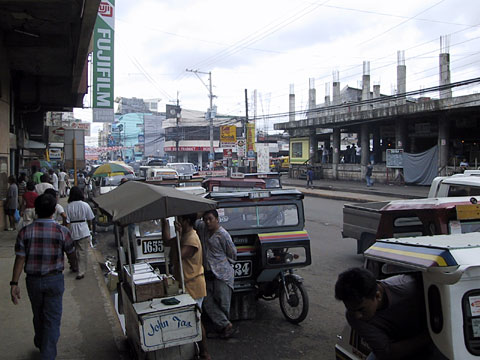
159,314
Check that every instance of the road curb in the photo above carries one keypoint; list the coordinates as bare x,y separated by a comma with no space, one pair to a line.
356,191
335,197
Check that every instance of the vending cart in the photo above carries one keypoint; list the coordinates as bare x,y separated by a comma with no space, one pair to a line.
161,319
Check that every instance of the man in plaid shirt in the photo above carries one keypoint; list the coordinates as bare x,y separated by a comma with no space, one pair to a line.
40,249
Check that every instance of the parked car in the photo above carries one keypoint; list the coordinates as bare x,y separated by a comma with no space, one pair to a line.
184,169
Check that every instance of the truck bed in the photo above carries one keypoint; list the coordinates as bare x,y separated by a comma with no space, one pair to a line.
360,222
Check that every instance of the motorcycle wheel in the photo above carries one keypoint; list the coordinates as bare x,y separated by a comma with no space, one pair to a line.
295,305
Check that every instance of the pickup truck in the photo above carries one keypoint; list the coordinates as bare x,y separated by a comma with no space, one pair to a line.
360,221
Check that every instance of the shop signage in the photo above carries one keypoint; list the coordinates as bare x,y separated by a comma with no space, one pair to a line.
56,134
187,148
103,41
241,148
55,154
228,136
85,126
227,153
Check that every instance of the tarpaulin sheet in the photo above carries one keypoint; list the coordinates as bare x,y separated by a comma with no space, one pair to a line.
421,168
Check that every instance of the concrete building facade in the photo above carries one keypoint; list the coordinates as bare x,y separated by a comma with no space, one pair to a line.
409,121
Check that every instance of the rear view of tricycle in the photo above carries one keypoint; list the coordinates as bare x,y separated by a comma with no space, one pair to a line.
267,228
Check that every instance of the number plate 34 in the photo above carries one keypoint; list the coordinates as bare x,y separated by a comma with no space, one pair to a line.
243,269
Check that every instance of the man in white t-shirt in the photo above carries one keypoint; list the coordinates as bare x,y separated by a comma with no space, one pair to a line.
62,183
53,179
44,185
80,216
59,216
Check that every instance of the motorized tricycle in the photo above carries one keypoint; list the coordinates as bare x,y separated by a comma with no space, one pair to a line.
267,228
449,268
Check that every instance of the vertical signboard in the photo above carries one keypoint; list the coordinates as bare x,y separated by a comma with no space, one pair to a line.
263,158
102,102
251,137
79,152
241,148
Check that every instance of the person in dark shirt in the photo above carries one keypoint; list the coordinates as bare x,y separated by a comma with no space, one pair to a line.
11,203
309,178
388,314
39,251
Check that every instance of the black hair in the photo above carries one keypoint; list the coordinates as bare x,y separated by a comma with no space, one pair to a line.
52,192
12,179
214,212
354,285
191,218
45,205
44,178
75,194
30,186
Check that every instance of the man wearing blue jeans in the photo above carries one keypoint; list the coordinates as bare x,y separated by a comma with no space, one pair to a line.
39,250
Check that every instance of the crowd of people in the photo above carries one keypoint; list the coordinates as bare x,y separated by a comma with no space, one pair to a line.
50,230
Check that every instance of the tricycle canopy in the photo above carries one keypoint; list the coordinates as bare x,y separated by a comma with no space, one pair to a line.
134,202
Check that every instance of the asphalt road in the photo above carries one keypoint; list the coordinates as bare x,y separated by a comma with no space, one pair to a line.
270,336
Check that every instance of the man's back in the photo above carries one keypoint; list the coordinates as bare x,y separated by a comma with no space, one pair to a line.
43,243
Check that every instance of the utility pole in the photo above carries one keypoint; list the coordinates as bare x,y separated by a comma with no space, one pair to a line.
245,124
211,155
177,140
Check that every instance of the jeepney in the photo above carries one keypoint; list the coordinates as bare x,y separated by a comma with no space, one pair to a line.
267,227
236,182
449,266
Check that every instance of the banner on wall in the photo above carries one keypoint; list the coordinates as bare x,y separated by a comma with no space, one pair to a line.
103,40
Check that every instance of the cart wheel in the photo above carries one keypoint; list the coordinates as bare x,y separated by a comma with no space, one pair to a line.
294,302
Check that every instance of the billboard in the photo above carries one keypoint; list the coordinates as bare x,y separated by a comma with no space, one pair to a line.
102,102
228,136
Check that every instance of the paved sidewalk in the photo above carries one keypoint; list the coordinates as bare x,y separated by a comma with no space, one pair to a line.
356,191
90,329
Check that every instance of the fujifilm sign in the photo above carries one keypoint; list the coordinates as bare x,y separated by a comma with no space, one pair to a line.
103,63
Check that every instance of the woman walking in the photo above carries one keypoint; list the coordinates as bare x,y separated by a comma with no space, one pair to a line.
28,204
79,216
11,203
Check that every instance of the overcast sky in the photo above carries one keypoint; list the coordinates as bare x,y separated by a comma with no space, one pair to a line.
269,44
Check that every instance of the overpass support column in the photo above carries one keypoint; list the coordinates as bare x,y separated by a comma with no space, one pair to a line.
377,152
336,151
365,144
443,145
313,148
400,134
